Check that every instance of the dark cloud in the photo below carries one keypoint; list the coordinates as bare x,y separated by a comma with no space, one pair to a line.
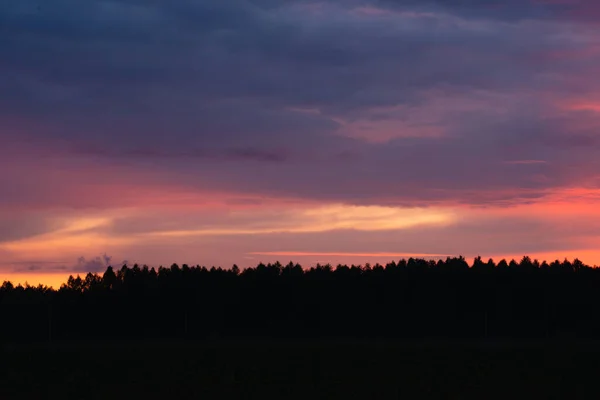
510,10
261,96
83,265
240,153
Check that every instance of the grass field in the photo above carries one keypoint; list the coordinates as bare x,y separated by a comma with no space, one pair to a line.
327,369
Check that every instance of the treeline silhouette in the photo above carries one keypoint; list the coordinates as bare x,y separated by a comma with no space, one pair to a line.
406,299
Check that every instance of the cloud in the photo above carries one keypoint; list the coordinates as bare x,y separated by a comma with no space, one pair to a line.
223,235
97,264
488,232
423,85
269,219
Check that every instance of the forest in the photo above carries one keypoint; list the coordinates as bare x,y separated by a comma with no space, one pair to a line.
414,298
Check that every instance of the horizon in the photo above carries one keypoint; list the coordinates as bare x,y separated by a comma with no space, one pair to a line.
332,131
55,279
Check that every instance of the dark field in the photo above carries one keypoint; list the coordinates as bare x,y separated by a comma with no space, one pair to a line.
326,369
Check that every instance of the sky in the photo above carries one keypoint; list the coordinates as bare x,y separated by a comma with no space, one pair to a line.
217,132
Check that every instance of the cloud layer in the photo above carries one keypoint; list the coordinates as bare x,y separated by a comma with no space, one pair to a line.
147,114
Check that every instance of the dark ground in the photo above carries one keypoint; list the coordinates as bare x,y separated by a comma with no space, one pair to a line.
327,369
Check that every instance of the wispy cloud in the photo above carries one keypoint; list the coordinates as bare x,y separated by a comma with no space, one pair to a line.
345,254
526,162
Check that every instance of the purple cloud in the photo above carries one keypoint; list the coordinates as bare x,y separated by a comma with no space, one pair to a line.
291,99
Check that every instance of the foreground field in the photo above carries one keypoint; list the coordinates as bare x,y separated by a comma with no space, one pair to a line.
327,369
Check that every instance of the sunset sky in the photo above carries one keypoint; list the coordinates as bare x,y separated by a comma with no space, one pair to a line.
215,132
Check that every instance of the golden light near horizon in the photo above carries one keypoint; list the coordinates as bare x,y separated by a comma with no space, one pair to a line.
326,218
53,280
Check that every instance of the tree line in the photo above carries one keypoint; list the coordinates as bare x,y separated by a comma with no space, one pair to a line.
405,299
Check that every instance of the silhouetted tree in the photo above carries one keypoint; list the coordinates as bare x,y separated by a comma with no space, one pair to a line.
109,278
414,297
